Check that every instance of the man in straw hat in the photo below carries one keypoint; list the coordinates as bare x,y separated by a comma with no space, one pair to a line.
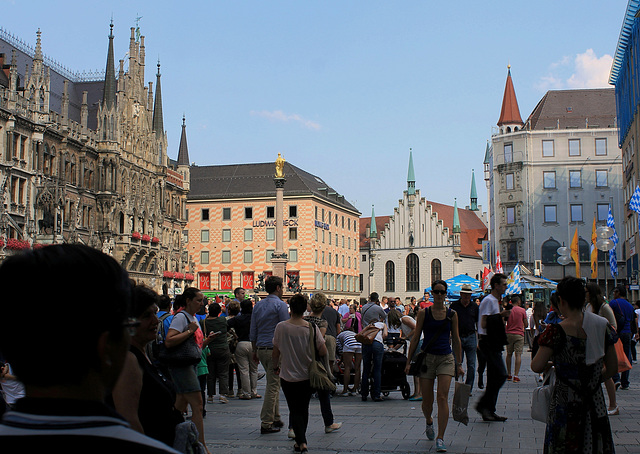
467,326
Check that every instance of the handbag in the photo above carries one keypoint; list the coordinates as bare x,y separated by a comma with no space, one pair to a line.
461,403
541,398
623,362
318,375
417,365
367,335
187,353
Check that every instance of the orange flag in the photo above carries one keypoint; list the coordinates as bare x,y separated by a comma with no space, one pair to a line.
575,252
594,251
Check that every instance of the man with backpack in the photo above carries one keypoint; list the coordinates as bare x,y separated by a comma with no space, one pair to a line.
625,318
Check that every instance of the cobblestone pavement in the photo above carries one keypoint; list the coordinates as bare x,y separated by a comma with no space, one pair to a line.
397,425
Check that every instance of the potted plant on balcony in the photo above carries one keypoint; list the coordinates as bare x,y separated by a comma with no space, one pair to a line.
168,274
189,277
135,235
179,276
155,240
146,238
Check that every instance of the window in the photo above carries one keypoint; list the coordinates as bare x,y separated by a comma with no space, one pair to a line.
550,213
248,212
512,251
390,276
293,211
603,211
204,236
576,213
271,234
204,214
248,256
547,149
575,178
271,212
413,273
508,152
574,147
436,270
226,256
293,255
602,179
584,250
248,235
550,251
601,147
204,257
269,254
511,215
293,233
509,181
364,257
549,180
226,235
226,214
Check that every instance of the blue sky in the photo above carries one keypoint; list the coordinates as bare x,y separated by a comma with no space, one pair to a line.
343,89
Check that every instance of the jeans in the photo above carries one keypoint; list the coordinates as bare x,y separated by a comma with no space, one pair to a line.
496,377
626,345
372,355
298,395
468,346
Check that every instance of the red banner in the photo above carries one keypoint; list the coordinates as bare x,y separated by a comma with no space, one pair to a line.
247,280
204,281
226,280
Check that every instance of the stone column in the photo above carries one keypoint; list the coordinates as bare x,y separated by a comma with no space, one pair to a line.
279,258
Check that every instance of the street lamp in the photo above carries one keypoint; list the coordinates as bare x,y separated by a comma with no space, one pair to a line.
604,243
564,257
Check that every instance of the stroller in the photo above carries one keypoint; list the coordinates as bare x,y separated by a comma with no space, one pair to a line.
393,376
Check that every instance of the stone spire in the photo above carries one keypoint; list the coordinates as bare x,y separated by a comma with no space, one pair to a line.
456,218
474,192
510,113
183,151
411,176
158,124
373,230
109,95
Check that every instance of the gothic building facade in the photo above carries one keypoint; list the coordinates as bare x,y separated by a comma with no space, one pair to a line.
83,159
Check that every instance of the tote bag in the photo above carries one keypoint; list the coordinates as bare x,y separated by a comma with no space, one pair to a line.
541,398
318,375
623,362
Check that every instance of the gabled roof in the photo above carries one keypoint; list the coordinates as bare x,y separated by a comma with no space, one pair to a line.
510,112
256,180
381,222
581,108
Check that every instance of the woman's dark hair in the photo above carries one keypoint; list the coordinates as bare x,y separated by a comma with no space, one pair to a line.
595,297
179,301
553,302
99,303
246,306
233,308
143,297
439,281
394,318
214,309
298,304
571,290
190,293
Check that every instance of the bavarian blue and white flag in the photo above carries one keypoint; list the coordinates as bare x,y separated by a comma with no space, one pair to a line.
513,282
634,203
613,260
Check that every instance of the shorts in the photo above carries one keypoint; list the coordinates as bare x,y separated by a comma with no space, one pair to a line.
330,342
357,350
185,379
515,343
438,365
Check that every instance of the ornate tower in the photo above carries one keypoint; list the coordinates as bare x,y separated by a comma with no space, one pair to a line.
183,156
510,120
474,192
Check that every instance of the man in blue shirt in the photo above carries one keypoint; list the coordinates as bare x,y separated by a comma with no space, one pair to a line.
267,313
625,315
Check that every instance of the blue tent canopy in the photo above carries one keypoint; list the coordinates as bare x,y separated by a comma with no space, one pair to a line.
455,283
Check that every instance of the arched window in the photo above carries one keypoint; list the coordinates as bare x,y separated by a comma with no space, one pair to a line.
584,250
549,251
413,273
436,270
390,276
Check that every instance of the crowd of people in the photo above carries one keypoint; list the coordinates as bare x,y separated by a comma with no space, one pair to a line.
147,367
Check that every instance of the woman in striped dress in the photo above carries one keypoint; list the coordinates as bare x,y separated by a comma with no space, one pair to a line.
351,349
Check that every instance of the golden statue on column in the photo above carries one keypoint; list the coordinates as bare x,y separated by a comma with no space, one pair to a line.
280,166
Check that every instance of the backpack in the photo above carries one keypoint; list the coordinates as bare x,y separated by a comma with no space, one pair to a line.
157,344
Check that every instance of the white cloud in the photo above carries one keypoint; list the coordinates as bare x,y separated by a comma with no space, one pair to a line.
280,116
585,70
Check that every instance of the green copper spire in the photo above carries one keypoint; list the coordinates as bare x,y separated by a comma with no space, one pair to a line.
474,193
109,94
411,176
373,230
456,218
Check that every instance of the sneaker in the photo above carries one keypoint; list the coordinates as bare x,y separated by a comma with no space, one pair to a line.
440,446
516,379
613,412
509,377
244,397
431,434
624,388
333,427
291,434
210,399
223,400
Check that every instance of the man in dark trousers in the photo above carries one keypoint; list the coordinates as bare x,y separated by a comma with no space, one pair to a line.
467,326
625,316
492,339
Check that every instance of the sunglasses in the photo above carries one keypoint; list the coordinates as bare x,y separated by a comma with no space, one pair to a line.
439,292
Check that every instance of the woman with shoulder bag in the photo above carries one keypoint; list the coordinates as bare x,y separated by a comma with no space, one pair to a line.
291,360
438,324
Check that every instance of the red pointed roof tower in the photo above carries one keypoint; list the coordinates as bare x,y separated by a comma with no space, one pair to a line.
510,119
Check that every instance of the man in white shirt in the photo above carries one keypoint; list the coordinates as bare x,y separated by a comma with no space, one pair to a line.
491,315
